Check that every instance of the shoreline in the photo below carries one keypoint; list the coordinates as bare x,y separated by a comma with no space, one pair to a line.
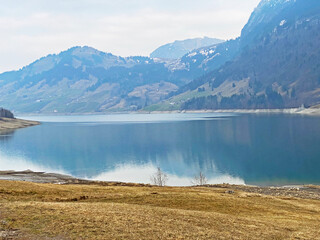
312,111
297,111
15,123
307,191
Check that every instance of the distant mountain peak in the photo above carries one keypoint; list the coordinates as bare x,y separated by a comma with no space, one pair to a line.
83,51
179,48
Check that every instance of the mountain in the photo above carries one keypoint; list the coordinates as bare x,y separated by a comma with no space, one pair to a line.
276,64
273,64
178,49
83,79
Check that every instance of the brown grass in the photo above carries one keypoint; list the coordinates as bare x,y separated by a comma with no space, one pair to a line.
14,123
47,211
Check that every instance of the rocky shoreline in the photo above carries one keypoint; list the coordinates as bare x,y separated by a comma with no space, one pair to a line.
37,177
55,178
14,123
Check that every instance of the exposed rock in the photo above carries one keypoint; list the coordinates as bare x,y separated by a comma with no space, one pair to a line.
229,192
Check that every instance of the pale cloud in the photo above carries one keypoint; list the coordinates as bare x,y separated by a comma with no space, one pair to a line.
34,28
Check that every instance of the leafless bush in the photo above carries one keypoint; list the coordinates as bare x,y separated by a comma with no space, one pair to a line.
199,180
159,178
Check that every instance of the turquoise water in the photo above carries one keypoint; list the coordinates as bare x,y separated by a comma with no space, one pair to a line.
252,149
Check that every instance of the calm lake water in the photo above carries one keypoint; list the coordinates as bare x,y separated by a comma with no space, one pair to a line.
228,148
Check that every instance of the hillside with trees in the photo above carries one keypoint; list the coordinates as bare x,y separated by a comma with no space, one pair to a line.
6,113
277,64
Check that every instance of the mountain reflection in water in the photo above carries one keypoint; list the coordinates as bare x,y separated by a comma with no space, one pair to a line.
253,149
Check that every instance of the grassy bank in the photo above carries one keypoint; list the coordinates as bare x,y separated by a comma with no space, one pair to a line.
14,123
51,211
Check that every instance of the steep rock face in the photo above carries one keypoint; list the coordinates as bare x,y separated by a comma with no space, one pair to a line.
178,49
277,65
6,113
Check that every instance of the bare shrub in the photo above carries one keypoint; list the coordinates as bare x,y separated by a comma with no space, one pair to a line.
199,180
159,178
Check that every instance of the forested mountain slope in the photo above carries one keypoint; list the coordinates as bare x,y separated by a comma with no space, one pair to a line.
277,64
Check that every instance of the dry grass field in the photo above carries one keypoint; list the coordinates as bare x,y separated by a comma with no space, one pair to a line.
14,123
52,211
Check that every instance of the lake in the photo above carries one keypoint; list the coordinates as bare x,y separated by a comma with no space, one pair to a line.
264,149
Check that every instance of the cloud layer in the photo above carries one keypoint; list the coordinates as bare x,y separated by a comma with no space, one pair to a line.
34,28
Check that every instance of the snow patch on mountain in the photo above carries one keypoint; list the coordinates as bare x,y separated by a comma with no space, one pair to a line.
282,23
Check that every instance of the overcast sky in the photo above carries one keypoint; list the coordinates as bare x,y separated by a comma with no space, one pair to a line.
35,28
